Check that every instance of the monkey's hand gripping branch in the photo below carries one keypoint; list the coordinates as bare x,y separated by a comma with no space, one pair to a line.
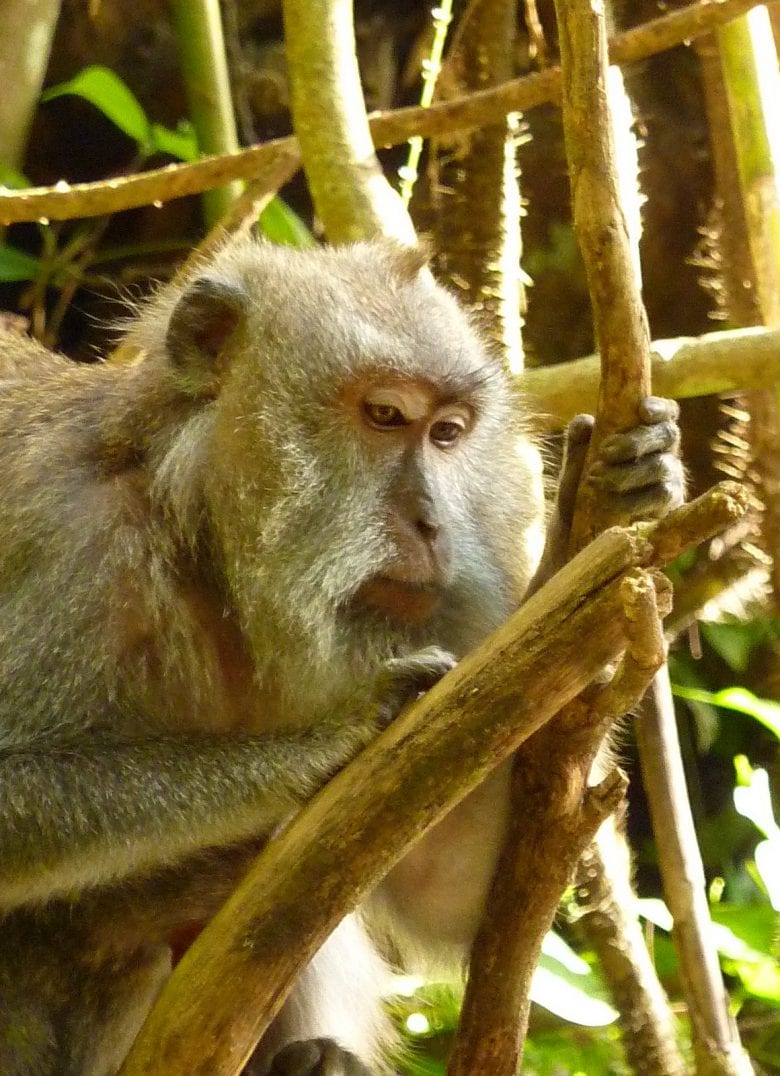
597,608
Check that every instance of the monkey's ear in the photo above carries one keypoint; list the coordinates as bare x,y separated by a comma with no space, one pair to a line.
200,328
406,262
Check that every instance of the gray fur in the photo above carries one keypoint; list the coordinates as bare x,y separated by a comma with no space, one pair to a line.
181,665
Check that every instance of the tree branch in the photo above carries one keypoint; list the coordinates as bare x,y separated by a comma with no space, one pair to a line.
387,129
350,193
352,832
688,366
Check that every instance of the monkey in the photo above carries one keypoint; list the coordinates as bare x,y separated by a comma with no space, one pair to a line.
223,569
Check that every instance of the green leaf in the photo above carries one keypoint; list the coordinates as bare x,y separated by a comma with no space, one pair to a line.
736,698
15,265
589,1053
282,225
107,92
565,985
12,180
180,143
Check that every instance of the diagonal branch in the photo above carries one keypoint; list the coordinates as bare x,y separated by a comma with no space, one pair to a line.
370,814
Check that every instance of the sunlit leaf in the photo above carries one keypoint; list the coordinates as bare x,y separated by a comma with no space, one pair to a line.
755,924
572,997
282,225
107,92
752,797
655,911
736,698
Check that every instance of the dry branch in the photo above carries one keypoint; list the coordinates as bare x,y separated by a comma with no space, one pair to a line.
555,818
622,336
687,366
623,339
235,976
619,318
387,129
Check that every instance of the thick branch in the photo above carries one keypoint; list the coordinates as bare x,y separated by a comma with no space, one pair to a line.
387,129
350,193
688,366
236,975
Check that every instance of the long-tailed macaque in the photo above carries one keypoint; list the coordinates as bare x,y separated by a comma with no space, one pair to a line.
221,570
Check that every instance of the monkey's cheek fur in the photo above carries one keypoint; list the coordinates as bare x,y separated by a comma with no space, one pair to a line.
407,602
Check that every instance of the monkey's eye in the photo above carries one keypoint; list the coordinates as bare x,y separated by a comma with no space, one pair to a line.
385,415
446,431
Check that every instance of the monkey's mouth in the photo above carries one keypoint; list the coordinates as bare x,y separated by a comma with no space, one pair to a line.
412,603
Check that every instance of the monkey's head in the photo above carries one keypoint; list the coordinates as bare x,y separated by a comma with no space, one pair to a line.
356,453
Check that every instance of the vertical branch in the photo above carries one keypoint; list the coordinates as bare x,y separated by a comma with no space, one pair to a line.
718,1051
204,66
619,319
351,195
623,340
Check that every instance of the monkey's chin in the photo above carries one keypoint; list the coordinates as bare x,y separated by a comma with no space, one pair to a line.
411,603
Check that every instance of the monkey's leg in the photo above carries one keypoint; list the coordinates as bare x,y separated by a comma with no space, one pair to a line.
64,1011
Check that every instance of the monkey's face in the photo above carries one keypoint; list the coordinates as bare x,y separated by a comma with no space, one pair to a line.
363,483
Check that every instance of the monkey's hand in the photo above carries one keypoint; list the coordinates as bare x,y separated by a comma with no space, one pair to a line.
402,680
399,682
638,469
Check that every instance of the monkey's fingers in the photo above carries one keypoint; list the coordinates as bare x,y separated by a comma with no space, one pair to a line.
654,409
640,441
578,434
646,488
402,680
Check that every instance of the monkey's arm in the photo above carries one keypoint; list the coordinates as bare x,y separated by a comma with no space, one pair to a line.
84,815
98,810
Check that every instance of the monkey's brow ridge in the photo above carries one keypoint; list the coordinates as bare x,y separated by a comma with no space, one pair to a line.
455,384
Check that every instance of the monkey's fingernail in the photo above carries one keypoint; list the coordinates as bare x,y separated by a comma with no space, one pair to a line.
657,408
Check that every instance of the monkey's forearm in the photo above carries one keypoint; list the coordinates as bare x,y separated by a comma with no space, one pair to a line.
85,816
